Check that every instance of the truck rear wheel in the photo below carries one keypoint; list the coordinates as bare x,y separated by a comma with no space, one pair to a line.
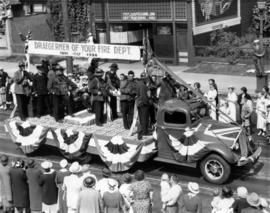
215,169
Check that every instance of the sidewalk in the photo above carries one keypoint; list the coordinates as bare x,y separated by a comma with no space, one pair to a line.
223,81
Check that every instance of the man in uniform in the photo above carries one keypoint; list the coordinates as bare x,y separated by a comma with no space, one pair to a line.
128,94
40,91
113,81
99,91
143,104
22,90
60,87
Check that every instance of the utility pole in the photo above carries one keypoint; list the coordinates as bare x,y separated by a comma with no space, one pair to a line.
67,33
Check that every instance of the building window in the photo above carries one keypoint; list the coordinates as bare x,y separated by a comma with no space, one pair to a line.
181,10
175,118
164,29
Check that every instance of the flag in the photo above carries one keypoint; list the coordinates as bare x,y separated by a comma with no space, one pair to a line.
28,136
72,144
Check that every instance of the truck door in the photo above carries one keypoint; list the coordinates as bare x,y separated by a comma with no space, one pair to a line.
173,123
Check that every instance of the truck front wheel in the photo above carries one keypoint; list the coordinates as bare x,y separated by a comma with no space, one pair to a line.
215,169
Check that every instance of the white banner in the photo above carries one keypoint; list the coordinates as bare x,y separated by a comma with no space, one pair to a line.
83,50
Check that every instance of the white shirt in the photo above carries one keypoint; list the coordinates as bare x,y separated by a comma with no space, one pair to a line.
72,185
164,189
103,186
173,195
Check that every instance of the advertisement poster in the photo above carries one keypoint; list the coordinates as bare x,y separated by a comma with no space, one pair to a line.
209,15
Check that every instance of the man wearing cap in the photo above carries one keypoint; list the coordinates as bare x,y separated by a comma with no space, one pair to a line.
40,91
5,181
3,83
22,90
113,81
143,106
128,92
99,91
60,88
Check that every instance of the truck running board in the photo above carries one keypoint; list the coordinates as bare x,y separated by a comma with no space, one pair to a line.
171,161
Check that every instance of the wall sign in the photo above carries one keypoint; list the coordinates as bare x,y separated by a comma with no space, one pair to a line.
139,16
82,50
209,15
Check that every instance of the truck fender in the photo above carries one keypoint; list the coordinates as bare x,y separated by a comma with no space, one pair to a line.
222,150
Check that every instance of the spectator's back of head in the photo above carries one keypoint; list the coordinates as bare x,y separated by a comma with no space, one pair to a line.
227,192
106,173
4,160
127,178
175,179
139,175
242,192
31,163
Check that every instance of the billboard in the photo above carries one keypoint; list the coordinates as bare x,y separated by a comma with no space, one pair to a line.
209,15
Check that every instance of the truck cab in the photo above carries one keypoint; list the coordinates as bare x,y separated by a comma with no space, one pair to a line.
187,137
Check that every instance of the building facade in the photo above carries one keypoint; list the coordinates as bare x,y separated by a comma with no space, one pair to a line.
174,26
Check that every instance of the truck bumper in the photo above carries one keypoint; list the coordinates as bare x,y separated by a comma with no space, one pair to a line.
251,159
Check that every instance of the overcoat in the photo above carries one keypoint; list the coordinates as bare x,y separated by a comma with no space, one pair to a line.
35,191
19,188
6,192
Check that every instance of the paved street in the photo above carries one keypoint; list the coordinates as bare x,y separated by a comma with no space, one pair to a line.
254,182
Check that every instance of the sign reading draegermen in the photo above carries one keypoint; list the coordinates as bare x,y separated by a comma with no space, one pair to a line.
84,50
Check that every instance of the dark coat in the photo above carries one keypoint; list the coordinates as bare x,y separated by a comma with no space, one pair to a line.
35,191
19,188
49,188
142,96
40,84
98,85
167,90
60,85
240,204
129,90
112,80
3,79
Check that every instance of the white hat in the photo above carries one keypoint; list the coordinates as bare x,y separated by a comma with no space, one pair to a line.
63,163
75,167
193,187
165,177
46,165
242,192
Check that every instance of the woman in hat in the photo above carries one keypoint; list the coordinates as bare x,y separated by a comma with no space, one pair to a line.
102,185
49,188
241,200
125,192
225,204
59,179
141,192
254,202
112,199
89,198
19,186
191,202
72,187
35,191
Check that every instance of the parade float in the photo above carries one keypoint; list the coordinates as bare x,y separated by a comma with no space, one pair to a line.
183,135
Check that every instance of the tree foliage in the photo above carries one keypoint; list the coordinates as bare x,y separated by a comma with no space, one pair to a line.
78,18
265,14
